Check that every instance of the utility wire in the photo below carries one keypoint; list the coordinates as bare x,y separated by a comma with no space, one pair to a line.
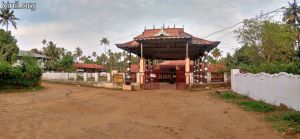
209,35
261,16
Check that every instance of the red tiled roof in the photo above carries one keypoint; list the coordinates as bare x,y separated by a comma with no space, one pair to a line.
215,67
211,67
88,66
170,32
135,68
196,40
129,44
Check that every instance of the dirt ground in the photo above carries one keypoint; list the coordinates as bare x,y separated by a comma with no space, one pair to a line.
67,111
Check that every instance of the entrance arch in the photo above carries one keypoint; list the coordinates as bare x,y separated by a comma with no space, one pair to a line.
169,44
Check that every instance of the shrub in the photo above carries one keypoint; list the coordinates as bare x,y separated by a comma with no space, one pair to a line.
27,75
273,67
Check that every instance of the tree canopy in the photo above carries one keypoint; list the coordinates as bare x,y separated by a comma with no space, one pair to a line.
8,45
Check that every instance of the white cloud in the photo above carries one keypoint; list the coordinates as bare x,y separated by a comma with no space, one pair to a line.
72,23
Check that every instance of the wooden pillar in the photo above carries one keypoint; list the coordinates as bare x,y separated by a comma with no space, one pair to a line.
128,74
187,64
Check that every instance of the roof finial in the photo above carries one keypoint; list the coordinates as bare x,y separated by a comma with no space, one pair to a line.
174,26
163,26
153,26
183,27
145,27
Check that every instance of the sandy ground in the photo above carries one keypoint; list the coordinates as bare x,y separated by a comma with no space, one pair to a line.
66,111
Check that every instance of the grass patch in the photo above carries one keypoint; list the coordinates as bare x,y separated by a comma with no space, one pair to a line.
229,96
232,97
281,120
284,120
292,117
14,89
257,106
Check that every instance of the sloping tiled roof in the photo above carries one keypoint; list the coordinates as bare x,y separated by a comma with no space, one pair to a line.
215,67
166,32
135,68
88,66
211,67
29,53
129,44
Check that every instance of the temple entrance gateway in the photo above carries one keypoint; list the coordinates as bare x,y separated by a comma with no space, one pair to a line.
151,76
169,44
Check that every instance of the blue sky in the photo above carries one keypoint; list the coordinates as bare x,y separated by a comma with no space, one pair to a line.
73,23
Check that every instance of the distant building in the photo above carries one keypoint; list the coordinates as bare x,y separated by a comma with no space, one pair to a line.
134,70
168,70
90,68
40,58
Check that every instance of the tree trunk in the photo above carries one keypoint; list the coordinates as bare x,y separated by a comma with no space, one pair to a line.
7,27
106,59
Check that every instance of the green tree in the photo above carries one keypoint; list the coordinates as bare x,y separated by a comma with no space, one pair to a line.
53,52
94,55
249,36
277,42
78,53
62,51
267,46
101,59
44,42
291,16
8,45
7,16
216,53
105,43
13,58
35,50
67,62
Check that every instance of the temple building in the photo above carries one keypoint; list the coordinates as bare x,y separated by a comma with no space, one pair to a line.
169,44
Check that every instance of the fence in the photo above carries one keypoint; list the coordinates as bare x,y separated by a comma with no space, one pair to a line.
75,76
58,76
271,88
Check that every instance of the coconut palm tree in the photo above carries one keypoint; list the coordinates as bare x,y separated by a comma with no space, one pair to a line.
105,42
53,52
94,55
216,53
292,16
7,16
44,42
78,52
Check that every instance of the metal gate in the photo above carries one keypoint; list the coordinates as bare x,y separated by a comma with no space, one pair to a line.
152,78
180,78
